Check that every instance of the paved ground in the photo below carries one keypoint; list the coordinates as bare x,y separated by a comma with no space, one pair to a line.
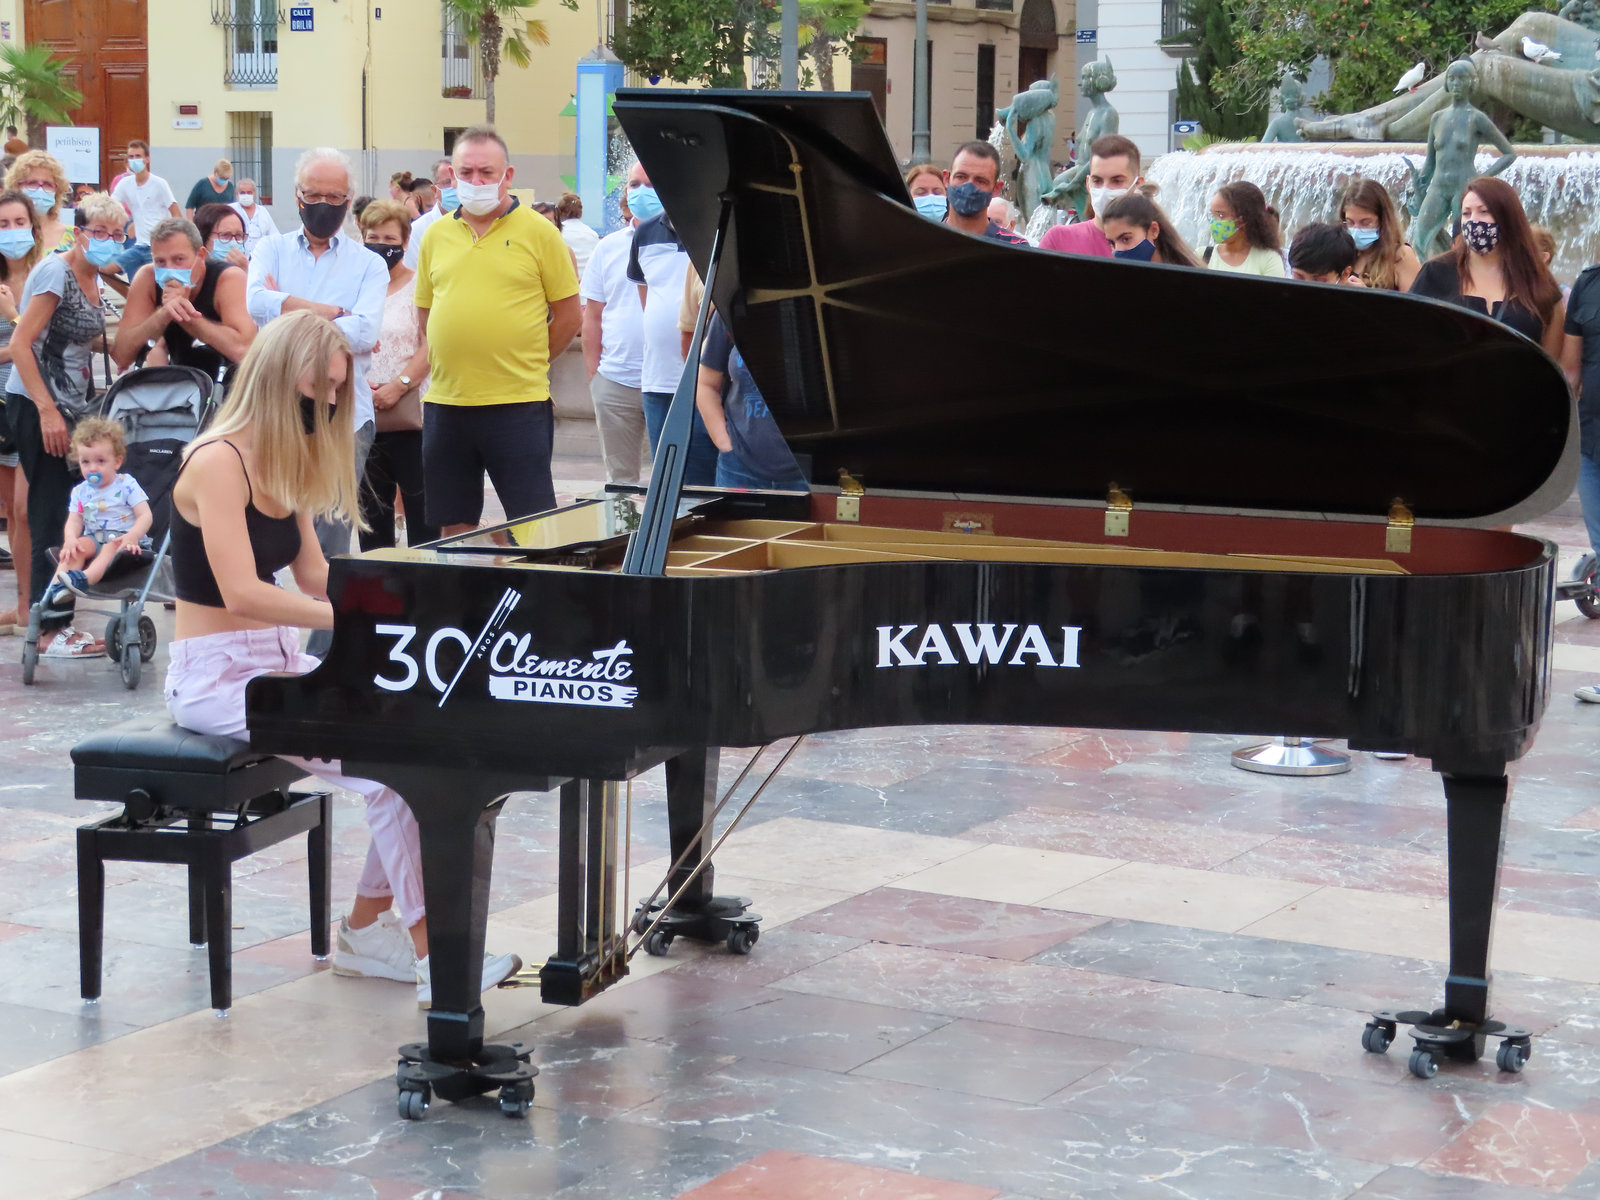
1018,963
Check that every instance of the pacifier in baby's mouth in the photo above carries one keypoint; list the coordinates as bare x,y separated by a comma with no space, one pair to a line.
94,479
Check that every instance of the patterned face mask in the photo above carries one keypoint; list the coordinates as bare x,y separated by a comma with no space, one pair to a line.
1482,236
1222,230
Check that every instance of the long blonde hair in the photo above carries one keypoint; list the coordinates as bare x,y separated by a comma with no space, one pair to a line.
313,474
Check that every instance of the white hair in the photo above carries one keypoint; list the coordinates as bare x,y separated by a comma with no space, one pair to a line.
324,154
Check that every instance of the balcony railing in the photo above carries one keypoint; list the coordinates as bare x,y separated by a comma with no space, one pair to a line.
250,50
460,70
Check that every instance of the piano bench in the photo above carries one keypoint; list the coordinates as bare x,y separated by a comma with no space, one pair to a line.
202,801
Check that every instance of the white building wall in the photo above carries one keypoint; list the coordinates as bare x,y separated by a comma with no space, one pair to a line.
1146,75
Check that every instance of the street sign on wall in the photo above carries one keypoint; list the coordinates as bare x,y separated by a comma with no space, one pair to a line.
302,20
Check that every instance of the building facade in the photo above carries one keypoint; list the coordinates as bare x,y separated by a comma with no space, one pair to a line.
1146,99
981,53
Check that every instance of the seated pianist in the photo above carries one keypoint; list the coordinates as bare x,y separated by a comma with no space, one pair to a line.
281,452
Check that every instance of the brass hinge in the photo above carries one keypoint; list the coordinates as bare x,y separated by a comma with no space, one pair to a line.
850,493
1397,534
1119,508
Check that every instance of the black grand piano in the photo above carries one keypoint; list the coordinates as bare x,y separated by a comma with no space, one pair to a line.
1046,491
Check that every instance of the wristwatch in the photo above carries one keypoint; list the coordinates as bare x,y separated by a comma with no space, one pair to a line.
405,381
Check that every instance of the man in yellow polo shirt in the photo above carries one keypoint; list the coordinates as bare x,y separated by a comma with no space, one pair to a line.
497,299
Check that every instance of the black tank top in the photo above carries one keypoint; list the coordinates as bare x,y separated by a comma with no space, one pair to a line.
274,541
183,349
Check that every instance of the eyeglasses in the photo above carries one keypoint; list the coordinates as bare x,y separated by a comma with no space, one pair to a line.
101,236
322,197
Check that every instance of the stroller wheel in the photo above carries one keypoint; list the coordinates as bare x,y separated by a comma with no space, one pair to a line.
114,639
131,666
30,660
147,638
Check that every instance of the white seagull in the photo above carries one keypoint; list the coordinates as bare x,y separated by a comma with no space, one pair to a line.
1538,51
1408,81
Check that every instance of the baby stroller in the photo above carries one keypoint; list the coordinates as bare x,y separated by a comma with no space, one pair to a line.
161,409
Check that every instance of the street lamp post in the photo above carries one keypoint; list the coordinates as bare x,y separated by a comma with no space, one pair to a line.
789,43
921,146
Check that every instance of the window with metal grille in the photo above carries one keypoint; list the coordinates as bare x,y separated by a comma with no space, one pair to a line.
250,149
1172,19
460,73
251,47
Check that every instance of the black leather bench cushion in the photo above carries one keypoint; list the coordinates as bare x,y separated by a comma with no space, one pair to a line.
177,766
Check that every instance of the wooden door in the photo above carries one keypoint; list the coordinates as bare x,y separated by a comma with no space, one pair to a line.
870,72
103,43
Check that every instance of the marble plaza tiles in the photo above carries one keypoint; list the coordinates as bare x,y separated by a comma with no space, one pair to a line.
997,964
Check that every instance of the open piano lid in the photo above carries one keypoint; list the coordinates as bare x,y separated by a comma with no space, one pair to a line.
917,357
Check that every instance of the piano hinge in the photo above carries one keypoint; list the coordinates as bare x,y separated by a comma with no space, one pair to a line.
1397,535
1119,508
850,493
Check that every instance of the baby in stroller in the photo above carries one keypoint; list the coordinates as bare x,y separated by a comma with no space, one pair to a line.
108,513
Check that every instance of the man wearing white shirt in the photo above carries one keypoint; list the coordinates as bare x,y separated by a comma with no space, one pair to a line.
258,222
148,199
444,178
613,346
320,268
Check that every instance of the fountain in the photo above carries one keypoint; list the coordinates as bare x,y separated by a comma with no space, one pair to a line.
1559,185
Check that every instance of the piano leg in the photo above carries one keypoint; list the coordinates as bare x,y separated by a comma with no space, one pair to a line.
698,912
457,857
1475,821
588,955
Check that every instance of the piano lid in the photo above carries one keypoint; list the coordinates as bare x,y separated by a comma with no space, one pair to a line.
918,357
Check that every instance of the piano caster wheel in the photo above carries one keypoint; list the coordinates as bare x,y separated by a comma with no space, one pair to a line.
516,1101
657,943
1423,1064
741,939
1514,1055
413,1105
1376,1038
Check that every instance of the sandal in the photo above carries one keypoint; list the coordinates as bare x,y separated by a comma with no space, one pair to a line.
72,643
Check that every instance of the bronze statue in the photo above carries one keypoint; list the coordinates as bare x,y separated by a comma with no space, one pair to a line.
1070,189
1291,95
1030,122
1453,137
1563,94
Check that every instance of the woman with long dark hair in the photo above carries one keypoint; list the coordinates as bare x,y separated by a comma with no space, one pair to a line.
1494,267
1383,258
1244,233
1137,229
20,236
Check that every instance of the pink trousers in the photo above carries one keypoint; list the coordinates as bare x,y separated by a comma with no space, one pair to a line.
206,678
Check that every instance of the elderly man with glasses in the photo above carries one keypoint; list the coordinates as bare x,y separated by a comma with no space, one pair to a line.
320,268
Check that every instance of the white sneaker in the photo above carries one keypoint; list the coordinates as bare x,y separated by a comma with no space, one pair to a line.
1591,693
496,967
382,950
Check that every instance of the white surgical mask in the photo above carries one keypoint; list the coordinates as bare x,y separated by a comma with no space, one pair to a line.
479,199
248,199
1102,196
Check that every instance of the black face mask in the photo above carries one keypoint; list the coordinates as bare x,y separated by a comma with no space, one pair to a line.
308,414
391,255
323,220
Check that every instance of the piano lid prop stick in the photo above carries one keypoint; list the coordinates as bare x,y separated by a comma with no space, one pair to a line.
502,611
710,823
647,548
715,846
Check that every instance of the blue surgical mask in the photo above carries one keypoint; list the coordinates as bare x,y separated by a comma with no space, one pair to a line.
448,200
1143,252
135,165
1365,239
15,243
967,199
643,202
101,252
932,206
42,199
178,275
222,247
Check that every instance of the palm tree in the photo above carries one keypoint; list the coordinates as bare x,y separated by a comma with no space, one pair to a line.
825,24
500,28
34,88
